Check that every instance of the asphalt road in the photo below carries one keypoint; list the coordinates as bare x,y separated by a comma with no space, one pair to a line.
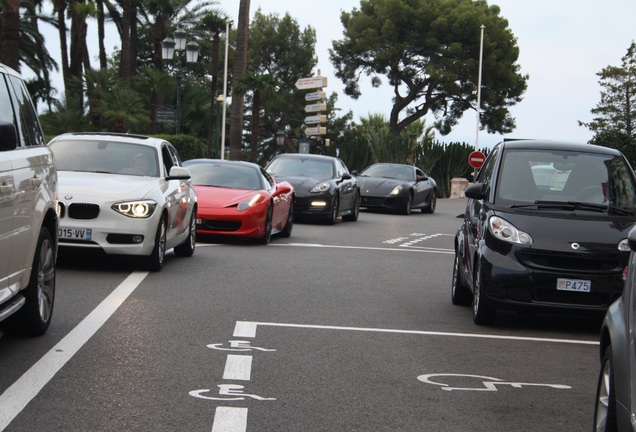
338,328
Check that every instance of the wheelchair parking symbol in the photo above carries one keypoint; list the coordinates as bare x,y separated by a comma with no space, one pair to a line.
482,383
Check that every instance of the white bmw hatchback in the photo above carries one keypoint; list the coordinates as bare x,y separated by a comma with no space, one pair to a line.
124,194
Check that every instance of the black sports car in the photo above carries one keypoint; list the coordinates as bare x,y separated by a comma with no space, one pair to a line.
397,187
324,187
545,228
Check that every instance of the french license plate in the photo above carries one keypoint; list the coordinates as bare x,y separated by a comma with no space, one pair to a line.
76,233
574,285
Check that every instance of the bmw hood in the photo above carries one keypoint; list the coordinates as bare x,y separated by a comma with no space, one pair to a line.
567,232
94,187
378,185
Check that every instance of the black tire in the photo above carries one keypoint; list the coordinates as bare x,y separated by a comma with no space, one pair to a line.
483,313
289,225
355,211
186,249
333,216
267,236
460,293
432,204
605,407
154,261
34,318
406,209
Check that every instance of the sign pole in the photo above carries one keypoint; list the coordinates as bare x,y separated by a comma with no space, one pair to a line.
481,56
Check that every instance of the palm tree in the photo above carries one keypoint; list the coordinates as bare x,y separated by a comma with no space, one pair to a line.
121,109
10,46
240,67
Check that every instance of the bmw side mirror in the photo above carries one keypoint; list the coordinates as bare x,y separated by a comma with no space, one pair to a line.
179,173
476,191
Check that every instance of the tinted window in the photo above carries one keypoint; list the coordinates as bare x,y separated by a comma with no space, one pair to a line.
30,125
6,109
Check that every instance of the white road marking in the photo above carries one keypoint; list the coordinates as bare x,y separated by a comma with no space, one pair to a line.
248,329
238,367
21,392
404,249
227,419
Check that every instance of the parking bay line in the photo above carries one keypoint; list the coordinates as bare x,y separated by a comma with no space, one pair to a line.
247,329
21,392
399,249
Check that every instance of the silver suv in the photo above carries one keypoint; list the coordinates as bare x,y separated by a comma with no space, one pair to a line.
28,216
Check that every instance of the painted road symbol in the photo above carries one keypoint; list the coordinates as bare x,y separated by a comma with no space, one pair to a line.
234,391
489,383
238,345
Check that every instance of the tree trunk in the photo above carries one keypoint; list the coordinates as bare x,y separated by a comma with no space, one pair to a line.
60,12
125,41
101,34
10,47
240,67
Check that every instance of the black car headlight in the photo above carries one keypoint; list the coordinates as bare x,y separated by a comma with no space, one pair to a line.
136,209
319,188
504,230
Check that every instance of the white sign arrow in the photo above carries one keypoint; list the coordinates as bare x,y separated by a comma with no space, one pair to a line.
311,83
316,119
315,96
316,131
315,108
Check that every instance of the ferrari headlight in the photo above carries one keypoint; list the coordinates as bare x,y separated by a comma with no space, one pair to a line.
396,190
504,230
247,204
136,209
322,187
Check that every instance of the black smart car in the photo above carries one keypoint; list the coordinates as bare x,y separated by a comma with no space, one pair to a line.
545,228
324,187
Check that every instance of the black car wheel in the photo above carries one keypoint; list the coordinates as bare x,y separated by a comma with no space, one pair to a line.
289,225
432,204
154,261
267,235
355,211
35,316
460,293
605,411
406,209
186,249
333,216
483,313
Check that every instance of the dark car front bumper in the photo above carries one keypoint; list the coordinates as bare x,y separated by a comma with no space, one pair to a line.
383,202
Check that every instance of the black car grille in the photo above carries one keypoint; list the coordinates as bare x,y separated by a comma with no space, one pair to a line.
607,263
83,211
219,225
375,201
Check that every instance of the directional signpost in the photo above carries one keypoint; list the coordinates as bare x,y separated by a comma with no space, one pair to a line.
316,105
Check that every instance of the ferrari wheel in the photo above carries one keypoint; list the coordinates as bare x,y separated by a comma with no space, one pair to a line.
289,225
605,409
406,209
432,204
267,235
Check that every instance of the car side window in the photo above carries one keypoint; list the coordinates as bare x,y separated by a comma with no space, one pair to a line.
269,182
31,132
176,160
6,110
341,169
168,162
486,172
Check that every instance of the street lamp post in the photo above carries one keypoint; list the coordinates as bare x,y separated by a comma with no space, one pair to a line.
227,38
169,47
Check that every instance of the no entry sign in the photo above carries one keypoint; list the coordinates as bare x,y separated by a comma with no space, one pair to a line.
476,159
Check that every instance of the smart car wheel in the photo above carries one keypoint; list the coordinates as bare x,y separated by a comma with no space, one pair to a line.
289,225
432,204
154,261
406,209
605,411
186,249
483,313
267,235
333,216
460,293
355,211
35,316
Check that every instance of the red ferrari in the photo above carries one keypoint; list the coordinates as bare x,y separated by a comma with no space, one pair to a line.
238,198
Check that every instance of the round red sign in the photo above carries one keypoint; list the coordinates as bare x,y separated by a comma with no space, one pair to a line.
476,159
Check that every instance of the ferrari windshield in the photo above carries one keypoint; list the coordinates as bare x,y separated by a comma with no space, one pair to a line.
225,175
400,172
551,178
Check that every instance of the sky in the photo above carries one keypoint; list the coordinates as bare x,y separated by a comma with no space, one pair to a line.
563,45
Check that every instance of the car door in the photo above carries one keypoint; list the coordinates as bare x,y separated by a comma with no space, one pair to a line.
422,188
6,189
281,205
346,186
177,194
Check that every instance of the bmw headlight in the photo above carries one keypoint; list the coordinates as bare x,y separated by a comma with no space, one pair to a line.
136,209
396,190
322,187
244,205
504,230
